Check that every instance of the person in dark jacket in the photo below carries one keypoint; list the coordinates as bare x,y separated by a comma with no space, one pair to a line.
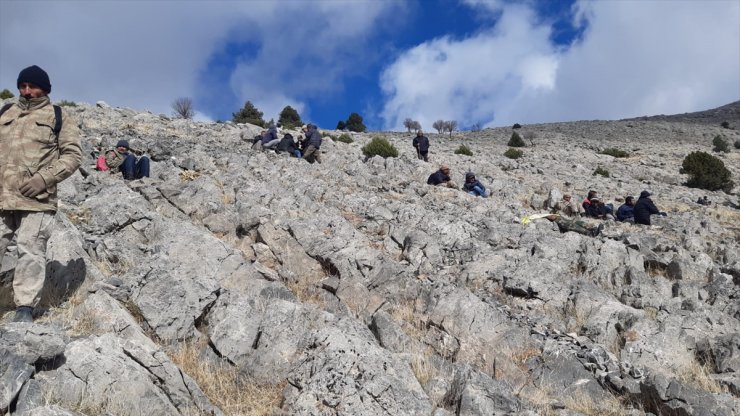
421,144
312,143
287,144
626,213
644,208
473,186
270,138
441,177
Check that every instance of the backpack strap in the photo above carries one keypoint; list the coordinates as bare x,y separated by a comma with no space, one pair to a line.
5,108
58,120
57,117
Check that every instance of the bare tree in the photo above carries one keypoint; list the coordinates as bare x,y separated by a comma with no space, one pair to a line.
530,135
183,108
451,125
411,124
440,126
475,127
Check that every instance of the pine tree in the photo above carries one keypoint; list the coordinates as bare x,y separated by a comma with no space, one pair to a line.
354,123
249,114
289,118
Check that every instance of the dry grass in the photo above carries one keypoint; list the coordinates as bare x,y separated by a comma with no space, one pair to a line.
412,322
575,317
76,323
189,175
80,216
224,387
631,335
421,365
541,398
699,376
520,356
586,405
306,292
651,312
353,218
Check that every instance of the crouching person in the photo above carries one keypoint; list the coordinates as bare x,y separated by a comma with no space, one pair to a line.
312,143
441,177
122,159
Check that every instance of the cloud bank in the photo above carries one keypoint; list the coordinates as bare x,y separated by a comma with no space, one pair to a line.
634,58
146,54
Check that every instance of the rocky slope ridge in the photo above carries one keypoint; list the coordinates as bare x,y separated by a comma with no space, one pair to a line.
353,288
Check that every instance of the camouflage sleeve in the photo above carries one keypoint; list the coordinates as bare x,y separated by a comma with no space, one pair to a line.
70,153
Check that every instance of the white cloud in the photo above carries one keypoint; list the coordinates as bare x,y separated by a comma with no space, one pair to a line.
143,54
635,58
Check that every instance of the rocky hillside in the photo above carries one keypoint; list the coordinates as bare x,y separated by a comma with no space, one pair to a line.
240,282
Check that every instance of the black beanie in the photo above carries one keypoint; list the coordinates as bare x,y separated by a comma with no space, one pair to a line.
36,76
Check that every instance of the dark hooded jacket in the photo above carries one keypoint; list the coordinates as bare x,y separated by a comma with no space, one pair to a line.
438,177
644,208
471,182
313,137
421,143
286,144
625,212
270,135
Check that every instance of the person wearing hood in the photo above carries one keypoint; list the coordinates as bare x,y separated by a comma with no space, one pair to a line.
270,138
287,144
123,160
473,186
35,156
312,143
644,208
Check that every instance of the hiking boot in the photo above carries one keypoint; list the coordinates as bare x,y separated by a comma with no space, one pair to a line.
595,232
23,314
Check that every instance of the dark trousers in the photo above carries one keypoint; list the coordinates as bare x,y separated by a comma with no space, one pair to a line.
133,169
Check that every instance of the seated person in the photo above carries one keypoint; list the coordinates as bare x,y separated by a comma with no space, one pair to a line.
568,207
644,208
626,213
473,186
126,162
270,138
597,209
441,177
609,208
287,144
703,201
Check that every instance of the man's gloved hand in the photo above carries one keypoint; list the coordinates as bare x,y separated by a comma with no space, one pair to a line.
33,186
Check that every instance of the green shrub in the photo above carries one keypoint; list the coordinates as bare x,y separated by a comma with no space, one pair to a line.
65,103
614,152
513,153
720,144
737,144
516,140
601,171
724,124
379,147
344,138
463,150
326,134
706,172
5,94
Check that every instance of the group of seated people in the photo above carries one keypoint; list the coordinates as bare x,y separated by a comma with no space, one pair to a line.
637,212
471,185
306,147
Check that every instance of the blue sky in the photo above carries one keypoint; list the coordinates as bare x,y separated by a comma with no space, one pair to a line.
491,62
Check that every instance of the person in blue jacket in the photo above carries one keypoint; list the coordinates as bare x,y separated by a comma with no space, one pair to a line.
473,186
626,213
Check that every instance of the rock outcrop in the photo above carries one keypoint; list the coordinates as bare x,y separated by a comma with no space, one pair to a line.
353,288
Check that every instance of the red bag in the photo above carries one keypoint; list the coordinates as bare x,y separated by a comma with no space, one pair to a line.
100,164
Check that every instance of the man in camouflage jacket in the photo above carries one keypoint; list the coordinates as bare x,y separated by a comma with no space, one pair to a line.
33,160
